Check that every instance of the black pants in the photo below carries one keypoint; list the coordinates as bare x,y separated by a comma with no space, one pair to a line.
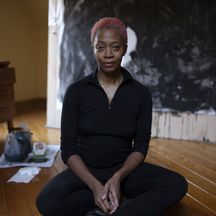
150,189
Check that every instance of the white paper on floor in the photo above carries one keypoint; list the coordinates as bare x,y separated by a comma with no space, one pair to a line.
25,174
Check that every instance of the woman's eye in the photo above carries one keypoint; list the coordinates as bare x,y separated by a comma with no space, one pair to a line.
99,48
116,48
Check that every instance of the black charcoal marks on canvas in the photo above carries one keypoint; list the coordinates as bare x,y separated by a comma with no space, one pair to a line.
175,54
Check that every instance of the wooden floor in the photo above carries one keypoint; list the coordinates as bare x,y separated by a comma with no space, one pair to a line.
196,161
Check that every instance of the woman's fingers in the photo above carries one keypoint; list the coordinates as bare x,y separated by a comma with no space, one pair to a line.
105,192
111,199
100,197
112,203
107,205
114,196
104,205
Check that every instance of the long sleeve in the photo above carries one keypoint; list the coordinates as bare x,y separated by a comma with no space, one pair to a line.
144,121
69,122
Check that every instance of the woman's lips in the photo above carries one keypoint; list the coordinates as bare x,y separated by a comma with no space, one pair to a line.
109,64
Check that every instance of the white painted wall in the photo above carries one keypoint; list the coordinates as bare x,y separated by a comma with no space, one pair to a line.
23,42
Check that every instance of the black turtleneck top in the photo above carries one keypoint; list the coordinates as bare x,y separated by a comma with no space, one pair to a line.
104,134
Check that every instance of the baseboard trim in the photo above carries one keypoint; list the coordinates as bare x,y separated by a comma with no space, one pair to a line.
30,104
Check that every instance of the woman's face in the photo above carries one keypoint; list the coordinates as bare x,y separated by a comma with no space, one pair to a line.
109,48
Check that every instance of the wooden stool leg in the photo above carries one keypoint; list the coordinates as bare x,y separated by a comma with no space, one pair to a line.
10,125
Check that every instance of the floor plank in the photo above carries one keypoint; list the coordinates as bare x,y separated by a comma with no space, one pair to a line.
195,153
192,176
188,207
202,166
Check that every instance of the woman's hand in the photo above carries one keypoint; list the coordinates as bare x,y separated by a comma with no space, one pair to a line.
112,193
102,203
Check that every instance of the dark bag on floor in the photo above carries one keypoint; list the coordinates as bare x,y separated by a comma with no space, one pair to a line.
18,145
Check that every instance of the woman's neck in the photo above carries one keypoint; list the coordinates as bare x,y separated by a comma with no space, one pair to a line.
114,78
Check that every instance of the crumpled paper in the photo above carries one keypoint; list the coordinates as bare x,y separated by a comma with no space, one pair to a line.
25,174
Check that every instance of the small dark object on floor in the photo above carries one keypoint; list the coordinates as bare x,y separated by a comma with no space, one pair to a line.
37,160
96,212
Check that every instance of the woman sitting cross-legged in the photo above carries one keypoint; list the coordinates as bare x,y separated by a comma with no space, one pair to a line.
105,134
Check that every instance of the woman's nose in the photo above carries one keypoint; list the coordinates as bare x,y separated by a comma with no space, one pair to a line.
108,53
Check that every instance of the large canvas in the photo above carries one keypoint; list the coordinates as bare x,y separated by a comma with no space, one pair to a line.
172,48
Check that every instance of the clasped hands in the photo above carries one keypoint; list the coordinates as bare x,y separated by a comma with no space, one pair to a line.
107,196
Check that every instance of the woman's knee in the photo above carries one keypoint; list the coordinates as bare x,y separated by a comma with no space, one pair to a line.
46,203
179,184
49,199
41,203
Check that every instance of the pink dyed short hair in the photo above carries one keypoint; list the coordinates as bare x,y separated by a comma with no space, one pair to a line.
109,22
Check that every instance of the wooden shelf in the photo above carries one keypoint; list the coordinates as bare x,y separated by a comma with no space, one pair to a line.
7,99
